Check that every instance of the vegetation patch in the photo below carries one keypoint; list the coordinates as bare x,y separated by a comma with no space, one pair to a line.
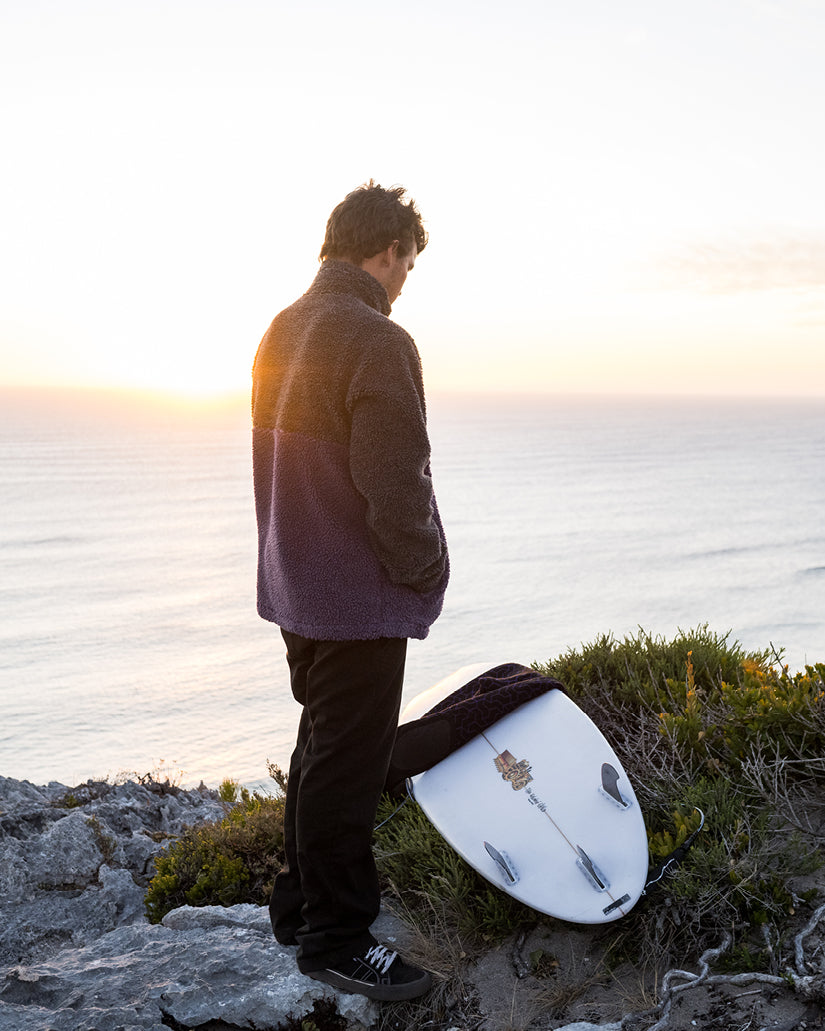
225,863
697,722
105,843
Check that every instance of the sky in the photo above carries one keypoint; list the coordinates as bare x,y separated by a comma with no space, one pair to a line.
621,197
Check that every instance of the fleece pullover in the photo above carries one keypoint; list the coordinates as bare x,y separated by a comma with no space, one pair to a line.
350,542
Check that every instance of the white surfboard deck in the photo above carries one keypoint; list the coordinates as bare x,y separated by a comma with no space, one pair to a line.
531,788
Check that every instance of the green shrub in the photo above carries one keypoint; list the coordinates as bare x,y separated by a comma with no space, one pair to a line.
698,723
763,713
224,863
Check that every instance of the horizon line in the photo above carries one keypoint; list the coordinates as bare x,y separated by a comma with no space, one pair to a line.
170,396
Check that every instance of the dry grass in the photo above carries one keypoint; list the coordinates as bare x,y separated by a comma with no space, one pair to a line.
435,945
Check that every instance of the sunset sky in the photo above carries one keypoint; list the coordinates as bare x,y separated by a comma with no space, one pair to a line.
621,196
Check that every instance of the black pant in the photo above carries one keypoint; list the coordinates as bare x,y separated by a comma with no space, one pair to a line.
327,895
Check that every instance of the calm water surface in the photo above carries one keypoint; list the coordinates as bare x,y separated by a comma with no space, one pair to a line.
128,633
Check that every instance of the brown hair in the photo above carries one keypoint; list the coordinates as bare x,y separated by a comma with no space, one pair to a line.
368,220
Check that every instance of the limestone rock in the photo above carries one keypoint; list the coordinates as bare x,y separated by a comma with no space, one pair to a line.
139,976
74,863
34,928
76,950
188,918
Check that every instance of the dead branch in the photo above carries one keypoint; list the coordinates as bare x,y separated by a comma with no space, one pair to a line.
810,987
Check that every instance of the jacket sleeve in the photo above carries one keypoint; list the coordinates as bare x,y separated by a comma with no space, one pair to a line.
389,464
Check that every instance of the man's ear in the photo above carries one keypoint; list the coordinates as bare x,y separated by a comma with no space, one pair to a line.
391,253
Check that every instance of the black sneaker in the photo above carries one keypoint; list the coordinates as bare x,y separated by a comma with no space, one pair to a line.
378,974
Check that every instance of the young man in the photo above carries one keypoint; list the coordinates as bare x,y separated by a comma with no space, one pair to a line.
352,562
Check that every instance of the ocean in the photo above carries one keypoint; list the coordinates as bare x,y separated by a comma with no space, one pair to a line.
129,640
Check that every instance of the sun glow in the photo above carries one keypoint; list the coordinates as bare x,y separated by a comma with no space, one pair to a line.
599,213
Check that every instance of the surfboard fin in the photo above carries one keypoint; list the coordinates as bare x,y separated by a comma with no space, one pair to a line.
616,904
610,786
590,870
503,863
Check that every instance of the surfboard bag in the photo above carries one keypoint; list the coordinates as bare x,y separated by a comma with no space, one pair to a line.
461,716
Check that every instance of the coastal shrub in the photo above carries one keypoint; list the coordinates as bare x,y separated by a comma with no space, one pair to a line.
224,863
701,724
697,722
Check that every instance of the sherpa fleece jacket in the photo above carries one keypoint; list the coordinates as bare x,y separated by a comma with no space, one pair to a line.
350,542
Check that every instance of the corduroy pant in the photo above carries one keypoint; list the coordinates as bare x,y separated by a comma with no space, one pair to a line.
327,895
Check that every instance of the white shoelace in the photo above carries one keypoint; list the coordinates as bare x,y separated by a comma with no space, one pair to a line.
380,957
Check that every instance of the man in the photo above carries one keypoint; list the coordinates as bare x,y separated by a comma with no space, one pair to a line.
352,562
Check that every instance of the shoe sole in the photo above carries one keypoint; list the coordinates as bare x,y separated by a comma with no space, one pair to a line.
379,992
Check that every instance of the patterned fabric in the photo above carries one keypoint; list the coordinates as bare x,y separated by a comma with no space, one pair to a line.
488,698
463,715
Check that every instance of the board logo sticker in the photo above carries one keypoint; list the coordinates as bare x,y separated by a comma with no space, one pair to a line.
517,773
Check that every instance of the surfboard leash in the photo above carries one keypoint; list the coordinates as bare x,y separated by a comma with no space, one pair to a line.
670,864
397,809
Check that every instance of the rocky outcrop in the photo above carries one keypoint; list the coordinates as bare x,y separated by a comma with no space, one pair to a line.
197,967
76,950
75,863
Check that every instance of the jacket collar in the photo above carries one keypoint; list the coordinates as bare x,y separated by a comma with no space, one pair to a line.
339,277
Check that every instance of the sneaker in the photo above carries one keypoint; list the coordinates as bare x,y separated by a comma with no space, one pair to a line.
378,974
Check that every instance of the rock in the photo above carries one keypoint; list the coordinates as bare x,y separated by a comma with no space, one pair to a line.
208,965
76,950
68,854
18,792
188,918
75,863
36,927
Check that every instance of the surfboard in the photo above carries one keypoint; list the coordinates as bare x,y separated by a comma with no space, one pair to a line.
540,806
